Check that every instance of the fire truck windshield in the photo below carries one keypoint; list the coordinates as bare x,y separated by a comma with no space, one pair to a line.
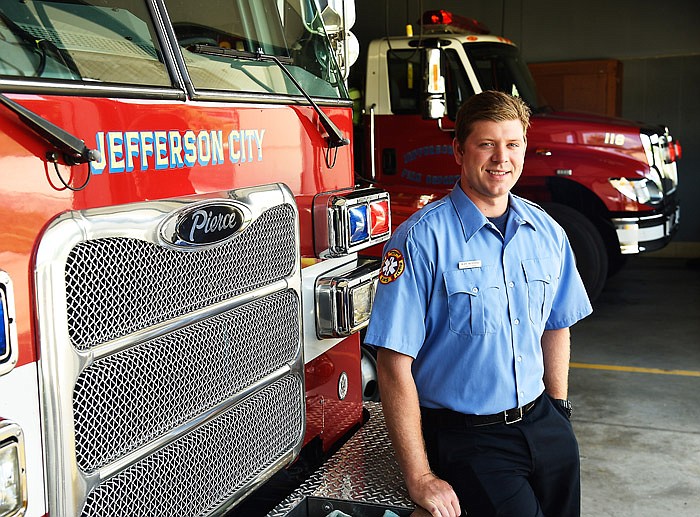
291,31
117,42
497,66
96,41
500,67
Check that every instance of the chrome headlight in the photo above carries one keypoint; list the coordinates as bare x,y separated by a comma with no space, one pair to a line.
641,190
13,471
344,301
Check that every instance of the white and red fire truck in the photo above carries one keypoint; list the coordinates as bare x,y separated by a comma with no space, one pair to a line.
180,287
611,183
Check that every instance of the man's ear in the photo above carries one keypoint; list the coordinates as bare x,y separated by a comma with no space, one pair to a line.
457,151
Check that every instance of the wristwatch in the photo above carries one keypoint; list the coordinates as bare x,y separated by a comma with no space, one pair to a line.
566,406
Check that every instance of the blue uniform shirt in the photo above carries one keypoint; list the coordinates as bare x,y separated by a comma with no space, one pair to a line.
470,306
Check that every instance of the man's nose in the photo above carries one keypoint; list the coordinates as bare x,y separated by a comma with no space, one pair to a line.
500,154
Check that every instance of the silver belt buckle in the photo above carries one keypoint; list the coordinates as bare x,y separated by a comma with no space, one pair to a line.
518,417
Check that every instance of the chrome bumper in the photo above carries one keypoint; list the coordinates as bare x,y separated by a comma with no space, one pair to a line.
640,234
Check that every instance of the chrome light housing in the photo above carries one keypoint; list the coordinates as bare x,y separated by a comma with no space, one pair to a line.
344,301
348,221
13,470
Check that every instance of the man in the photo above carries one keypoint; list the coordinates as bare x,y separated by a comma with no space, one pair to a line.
471,321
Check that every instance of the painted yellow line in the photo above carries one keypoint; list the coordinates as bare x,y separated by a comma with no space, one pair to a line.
635,369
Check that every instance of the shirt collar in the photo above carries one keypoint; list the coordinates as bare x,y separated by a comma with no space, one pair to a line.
471,218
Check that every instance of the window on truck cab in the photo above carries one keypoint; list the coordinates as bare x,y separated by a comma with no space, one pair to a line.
499,67
87,41
406,83
116,42
288,30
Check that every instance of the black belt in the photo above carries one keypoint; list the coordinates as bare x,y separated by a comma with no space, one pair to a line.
449,418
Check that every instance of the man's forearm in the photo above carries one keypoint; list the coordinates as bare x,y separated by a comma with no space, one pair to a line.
556,352
403,421
402,413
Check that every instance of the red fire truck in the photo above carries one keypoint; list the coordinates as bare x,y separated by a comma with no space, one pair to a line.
611,183
180,287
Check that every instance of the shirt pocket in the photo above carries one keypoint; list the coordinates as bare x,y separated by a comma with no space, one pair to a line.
540,276
473,301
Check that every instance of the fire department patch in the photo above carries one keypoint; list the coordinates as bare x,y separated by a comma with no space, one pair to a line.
392,266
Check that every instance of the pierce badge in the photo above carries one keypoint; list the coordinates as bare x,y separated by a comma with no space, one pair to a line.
392,266
205,223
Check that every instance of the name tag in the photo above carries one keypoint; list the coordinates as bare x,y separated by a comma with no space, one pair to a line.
469,264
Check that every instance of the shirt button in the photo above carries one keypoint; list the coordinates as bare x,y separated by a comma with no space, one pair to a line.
516,321
520,358
511,284
549,277
475,290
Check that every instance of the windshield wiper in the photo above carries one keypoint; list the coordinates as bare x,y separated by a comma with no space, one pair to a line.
334,139
74,150
40,45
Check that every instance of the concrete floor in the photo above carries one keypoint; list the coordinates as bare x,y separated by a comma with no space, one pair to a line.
635,385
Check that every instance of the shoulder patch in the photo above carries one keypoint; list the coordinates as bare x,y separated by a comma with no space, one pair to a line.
393,265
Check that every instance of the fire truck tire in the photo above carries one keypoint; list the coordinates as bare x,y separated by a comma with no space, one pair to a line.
587,244
370,384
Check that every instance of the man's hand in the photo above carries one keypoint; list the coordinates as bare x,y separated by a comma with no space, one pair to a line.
435,497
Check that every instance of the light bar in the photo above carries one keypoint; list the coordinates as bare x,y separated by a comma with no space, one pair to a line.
344,302
346,222
446,21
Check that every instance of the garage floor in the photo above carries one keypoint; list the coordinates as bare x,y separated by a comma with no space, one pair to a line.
635,385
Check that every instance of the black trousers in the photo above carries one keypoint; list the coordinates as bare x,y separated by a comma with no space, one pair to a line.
528,468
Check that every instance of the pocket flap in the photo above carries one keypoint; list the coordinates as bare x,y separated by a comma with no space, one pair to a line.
539,270
461,281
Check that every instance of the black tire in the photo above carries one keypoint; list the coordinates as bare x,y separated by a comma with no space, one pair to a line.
588,246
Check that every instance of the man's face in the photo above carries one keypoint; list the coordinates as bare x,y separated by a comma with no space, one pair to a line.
491,161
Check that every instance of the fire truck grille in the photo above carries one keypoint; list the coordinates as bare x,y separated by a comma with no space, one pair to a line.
198,472
172,376
121,402
115,286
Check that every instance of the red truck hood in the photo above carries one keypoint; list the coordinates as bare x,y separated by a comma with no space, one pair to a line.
591,118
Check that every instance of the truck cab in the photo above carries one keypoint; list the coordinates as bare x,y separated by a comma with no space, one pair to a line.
611,183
